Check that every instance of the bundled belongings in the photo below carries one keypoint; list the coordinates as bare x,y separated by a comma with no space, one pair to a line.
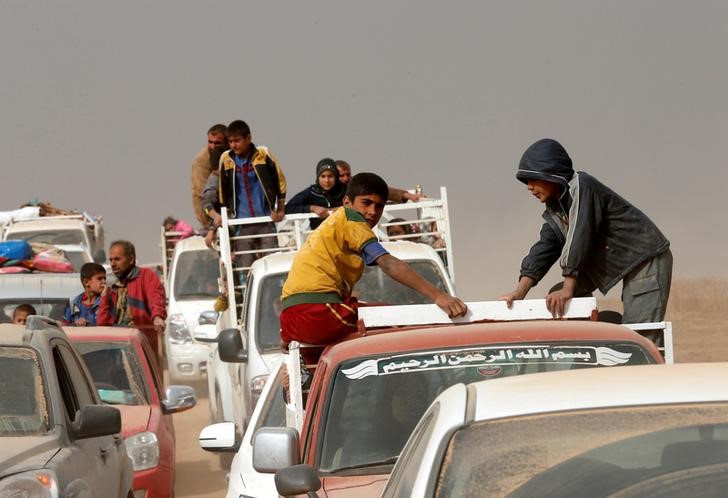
25,213
48,209
15,249
52,260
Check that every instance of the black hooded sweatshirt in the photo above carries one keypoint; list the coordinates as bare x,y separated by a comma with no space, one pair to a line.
314,195
597,236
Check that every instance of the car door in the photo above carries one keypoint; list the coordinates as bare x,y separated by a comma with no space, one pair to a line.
104,456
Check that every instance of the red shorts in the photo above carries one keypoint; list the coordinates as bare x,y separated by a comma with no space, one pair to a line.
320,323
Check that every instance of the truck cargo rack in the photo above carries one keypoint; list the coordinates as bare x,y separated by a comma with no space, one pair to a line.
293,230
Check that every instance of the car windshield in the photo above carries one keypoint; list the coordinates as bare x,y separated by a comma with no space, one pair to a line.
23,405
52,237
52,308
590,453
195,275
117,372
377,401
374,287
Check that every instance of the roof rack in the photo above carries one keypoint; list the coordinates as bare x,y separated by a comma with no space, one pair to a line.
431,314
662,328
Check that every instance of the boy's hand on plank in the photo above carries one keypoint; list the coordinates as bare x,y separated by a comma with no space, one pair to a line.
451,305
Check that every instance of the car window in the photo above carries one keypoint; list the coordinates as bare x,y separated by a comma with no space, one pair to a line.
116,371
65,384
23,404
273,413
52,308
374,287
151,360
376,402
403,478
582,453
195,275
84,390
54,237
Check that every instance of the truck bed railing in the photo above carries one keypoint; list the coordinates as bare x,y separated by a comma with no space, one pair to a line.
659,332
293,230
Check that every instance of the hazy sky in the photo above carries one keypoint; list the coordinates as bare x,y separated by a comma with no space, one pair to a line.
104,105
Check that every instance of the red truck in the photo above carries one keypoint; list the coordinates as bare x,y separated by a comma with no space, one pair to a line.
369,391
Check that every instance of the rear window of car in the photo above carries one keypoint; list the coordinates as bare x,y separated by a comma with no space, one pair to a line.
117,372
52,308
62,237
374,287
23,404
195,275
584,453
376,402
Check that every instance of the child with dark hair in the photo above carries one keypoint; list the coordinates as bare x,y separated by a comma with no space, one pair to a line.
322,197
318,306
81,310
22,312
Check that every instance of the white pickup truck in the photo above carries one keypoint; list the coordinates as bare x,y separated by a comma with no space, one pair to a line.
73,233
252,296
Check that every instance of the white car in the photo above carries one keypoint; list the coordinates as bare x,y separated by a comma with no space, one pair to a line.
193,289
270,411
656,430
235,386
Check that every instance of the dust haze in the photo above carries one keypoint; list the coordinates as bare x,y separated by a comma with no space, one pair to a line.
105,104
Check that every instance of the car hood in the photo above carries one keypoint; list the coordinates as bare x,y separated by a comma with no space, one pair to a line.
18,454
134,419
353,486
191,309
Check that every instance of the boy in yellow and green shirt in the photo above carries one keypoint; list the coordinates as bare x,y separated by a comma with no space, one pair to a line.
318,307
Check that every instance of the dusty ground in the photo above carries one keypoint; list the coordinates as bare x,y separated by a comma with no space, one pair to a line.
698,310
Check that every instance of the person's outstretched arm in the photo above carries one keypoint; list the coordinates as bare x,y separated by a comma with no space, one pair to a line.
404,274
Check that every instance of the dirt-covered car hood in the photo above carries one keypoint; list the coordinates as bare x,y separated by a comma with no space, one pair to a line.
18,454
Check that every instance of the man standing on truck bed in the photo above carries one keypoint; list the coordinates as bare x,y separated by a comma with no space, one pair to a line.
250,184
137,299
318,307
598,237
202,168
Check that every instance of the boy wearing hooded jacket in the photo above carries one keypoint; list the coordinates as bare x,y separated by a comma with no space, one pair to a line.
321,197
598,238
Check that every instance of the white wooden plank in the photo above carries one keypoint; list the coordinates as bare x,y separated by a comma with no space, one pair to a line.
431,314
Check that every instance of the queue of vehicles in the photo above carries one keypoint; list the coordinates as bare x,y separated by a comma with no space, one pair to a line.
366,395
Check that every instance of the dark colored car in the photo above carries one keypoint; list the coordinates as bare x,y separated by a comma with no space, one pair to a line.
56,436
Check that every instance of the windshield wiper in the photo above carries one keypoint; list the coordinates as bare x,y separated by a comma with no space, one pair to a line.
388,461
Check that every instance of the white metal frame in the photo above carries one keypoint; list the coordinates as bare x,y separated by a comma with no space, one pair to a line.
665,328
427,209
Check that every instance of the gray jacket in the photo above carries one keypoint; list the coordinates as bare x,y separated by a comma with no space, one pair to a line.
597,236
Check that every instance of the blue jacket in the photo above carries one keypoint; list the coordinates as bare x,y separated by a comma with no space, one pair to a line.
76,309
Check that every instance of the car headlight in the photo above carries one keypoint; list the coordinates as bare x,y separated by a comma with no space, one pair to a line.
256,387
33,484
143,449
178,331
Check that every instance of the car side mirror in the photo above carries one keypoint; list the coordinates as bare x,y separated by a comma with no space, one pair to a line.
275,448
205,333
230,347
220,437
297,480
178,399
208,317
95,421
